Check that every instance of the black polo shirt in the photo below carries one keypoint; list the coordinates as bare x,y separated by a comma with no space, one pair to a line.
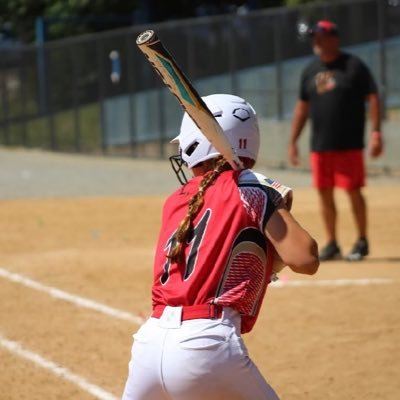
337,93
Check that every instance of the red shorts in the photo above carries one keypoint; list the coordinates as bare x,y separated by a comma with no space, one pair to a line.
344,169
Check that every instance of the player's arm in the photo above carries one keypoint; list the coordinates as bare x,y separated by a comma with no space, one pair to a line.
300,115
292,242
375,140
368,83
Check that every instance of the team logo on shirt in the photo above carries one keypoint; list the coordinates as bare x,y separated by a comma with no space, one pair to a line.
325,81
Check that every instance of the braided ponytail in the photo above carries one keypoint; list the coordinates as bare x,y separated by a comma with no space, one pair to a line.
194,207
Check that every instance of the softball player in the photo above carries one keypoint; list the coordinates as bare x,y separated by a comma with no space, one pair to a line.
212,265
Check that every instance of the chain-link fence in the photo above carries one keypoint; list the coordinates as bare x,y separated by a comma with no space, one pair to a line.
97,93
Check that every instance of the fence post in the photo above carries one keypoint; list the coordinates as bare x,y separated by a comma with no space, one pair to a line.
24,101
233,60
75,77
4,102
161,121
278,64
101,78
41,63
381,12
131,88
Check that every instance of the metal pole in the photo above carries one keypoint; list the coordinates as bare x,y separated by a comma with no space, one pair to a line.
3,91
101,88
382,16
161,121
131,85
278,68
23,94
50,116
232,58
75,74
41,63
190,48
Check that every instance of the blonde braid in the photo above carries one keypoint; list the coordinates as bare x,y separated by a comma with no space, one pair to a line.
194,206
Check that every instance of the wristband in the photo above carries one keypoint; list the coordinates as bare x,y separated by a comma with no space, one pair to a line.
376,135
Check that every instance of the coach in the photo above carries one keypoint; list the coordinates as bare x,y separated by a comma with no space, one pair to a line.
333,91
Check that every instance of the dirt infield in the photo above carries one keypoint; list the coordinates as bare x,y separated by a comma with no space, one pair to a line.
330,336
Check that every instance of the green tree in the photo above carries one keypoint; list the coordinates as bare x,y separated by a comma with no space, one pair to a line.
71,17
23,13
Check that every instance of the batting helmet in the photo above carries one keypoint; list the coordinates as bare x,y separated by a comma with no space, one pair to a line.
238,121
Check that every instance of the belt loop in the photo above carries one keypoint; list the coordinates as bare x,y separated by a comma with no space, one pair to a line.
212,310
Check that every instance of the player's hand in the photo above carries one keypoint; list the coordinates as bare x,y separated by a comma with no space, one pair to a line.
293,154
375,147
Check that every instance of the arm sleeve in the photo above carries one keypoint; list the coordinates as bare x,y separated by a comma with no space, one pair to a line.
261,196
260,202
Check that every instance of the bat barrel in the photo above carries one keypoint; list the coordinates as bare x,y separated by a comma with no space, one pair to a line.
180,86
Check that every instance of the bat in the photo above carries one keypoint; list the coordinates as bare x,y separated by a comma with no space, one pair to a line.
187,96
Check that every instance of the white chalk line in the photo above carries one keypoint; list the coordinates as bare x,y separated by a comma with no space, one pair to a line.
62,372
96,391
71,298
283,282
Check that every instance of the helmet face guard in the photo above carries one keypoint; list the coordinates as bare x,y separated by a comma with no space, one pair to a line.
238,121
177,163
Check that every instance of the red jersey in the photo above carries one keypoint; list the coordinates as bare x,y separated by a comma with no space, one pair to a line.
227,258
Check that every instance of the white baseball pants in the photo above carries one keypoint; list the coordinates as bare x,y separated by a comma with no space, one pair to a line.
201,359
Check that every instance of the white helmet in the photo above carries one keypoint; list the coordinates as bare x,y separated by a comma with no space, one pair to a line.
238,121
